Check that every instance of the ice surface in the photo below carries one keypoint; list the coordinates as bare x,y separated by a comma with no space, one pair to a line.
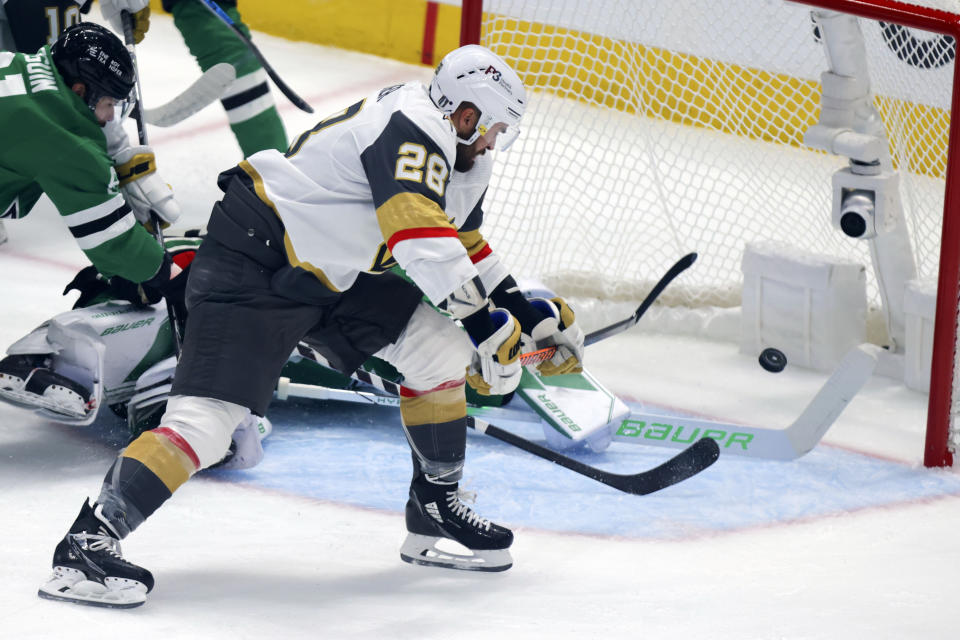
855,540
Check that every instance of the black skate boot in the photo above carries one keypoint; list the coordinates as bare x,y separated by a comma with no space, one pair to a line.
435,511
26,380
88,567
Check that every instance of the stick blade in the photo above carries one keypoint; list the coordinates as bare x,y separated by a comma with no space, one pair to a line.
205,90
678,267
686,464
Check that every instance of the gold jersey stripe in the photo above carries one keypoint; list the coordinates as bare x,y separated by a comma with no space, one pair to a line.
408,210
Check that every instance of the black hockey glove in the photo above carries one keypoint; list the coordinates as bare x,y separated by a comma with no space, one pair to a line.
174,291
93,287
140,294
152,291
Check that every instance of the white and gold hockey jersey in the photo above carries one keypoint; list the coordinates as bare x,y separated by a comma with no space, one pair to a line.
368,187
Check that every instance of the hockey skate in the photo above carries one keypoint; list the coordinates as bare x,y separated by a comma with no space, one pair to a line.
436,513
88,567
26,381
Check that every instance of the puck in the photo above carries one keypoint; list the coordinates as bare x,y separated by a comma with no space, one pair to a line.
773,360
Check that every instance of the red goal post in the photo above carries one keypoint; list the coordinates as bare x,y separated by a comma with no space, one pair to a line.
481,18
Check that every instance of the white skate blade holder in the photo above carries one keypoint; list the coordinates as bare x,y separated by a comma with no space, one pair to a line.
574,409
71,585
432,551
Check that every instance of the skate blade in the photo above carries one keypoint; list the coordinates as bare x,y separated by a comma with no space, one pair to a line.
423,550
28,400
70,585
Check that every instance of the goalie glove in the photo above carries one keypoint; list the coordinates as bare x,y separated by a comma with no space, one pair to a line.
143,189
559,328
139,10
495,368
91,285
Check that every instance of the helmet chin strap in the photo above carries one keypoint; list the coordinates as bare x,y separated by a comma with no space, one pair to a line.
470,140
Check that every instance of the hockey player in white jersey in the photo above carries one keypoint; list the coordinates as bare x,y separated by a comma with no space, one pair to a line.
300,248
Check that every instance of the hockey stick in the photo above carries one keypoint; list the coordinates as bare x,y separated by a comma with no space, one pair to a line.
773,444
137,115
215,9
660,429
689,462
205,89
681,265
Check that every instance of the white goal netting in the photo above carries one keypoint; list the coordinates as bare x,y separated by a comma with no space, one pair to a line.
662,127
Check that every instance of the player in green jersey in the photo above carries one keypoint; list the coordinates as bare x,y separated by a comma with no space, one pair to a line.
26,26
54,105
250,108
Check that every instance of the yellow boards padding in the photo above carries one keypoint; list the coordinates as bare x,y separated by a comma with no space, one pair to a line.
389,28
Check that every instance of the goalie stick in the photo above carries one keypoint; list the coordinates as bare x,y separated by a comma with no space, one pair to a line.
205,89
774,444
658,429
687,463
215,9
681,265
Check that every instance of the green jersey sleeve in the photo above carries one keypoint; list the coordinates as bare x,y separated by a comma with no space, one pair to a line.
58,147
83,186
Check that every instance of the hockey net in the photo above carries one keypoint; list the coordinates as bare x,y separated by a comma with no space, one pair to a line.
663,127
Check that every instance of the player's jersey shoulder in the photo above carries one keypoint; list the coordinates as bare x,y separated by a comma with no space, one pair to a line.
410,150
414,114
52,123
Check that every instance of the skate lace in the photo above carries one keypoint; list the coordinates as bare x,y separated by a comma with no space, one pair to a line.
102,542
455,504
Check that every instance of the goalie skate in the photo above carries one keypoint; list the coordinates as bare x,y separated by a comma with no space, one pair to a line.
88,568
437,520
25,381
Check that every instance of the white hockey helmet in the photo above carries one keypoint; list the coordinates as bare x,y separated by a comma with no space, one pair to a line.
477,75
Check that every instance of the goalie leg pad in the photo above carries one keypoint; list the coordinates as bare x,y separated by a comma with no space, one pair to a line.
246,447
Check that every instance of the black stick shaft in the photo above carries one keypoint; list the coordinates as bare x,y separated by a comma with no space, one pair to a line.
689,462
679,267
137,115
222,15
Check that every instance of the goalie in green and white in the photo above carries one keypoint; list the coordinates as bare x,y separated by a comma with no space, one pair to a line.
108,351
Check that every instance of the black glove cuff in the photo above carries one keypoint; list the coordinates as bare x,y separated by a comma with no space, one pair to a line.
162,276
507,295
479,325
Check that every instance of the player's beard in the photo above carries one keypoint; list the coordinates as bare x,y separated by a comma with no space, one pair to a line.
466,156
